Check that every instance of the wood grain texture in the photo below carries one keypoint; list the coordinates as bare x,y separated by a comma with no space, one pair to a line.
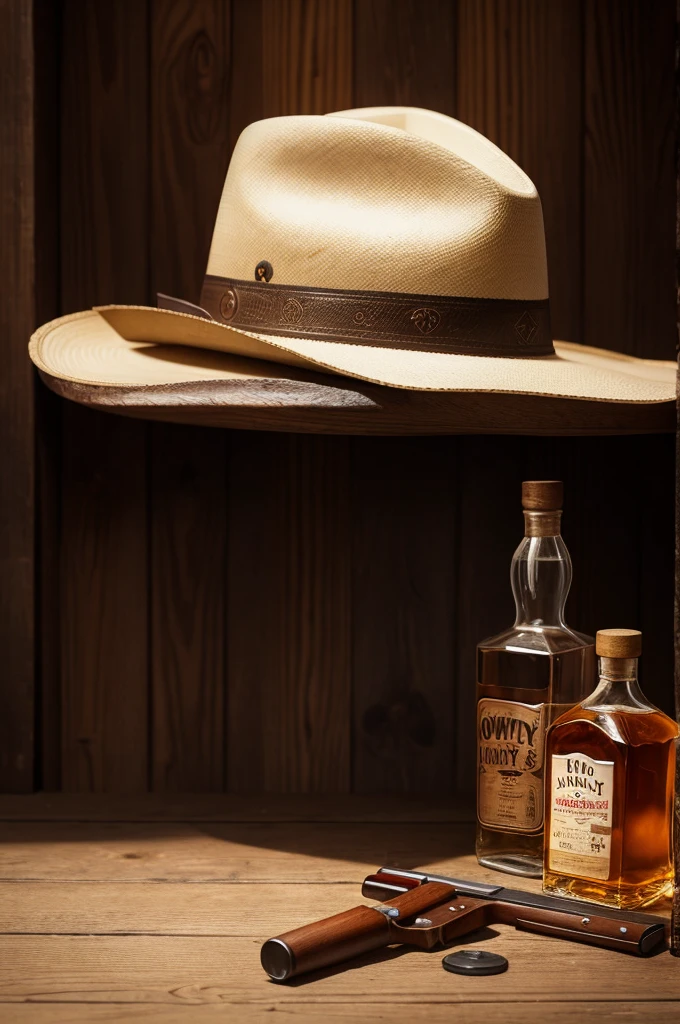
306,56
235,807
104,256
191,971
104,153
519,81
403,593
629,177
230,854
288,614
141,923
489,528
135,908
188,570
288,583
17,320
657,569
190,71
405,54
246,79
296,401
46,114
634,1012
103,607
154,95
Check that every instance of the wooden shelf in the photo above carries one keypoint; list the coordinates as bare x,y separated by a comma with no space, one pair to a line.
298,402
160,912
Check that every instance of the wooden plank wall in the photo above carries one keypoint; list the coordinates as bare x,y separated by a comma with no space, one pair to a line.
259,611
17,318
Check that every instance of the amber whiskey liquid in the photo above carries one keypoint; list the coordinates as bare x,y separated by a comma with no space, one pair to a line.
526,677
512,724
609,782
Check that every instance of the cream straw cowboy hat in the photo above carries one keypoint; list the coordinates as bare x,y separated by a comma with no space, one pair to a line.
391,244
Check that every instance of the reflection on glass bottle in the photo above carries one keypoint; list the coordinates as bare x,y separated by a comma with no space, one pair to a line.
526,676
609,780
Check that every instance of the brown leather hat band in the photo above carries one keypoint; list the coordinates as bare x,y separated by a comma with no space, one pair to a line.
430,323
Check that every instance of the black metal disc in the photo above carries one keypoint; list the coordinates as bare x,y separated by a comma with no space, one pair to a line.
474,961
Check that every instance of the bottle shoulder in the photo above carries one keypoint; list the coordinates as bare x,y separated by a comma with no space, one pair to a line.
537,639
623,725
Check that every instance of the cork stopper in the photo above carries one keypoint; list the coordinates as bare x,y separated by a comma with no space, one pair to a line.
542,495
618,643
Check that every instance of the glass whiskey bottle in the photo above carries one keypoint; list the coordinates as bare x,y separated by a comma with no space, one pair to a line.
526,677
609,785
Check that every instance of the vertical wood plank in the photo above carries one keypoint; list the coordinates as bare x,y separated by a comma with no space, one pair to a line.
629,177
288,579
104,258
190,133
190,150
621,540
103,605
404,54
519,80
656,503
17,320
519,83
403,607
306,56
403,490
188,528
629,286
288,645
46,40
490,527
245,84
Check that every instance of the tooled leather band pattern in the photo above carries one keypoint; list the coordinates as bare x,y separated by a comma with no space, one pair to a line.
431,323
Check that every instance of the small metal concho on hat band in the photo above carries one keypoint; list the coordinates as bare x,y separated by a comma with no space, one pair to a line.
432,323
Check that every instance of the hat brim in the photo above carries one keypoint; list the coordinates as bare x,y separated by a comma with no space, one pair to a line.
136,346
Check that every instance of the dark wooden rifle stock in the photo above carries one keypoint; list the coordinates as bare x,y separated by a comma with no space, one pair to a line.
429,912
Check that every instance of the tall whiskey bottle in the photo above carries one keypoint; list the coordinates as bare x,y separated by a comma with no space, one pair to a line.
609,785
526,677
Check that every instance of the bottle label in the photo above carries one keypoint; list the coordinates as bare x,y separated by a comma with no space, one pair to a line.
581,804
511,740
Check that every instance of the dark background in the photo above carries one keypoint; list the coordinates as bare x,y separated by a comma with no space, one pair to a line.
194,609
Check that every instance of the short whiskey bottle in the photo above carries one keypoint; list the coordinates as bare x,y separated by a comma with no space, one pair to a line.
609,788
526,677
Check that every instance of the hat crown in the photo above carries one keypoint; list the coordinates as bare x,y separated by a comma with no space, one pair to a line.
353,202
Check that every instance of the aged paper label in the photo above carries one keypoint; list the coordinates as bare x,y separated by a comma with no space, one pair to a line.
581,803
511,740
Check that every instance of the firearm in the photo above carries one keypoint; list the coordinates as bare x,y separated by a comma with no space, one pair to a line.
431,910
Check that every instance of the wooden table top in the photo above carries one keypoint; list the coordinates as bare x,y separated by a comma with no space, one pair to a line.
117,909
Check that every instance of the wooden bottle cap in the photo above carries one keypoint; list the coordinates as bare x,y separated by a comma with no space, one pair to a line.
618,643
542,495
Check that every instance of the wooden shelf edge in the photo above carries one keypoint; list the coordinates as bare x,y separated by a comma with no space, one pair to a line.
318,404
230,807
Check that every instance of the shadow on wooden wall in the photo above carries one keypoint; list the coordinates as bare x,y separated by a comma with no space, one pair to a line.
265,611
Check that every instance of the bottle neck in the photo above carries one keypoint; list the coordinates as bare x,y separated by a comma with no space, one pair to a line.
541,572
618,686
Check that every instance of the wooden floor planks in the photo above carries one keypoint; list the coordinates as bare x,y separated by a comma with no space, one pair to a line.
338,1013
161,920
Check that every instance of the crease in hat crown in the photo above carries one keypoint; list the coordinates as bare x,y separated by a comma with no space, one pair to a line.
346,203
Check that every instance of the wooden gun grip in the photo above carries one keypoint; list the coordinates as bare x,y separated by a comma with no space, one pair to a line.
325,942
